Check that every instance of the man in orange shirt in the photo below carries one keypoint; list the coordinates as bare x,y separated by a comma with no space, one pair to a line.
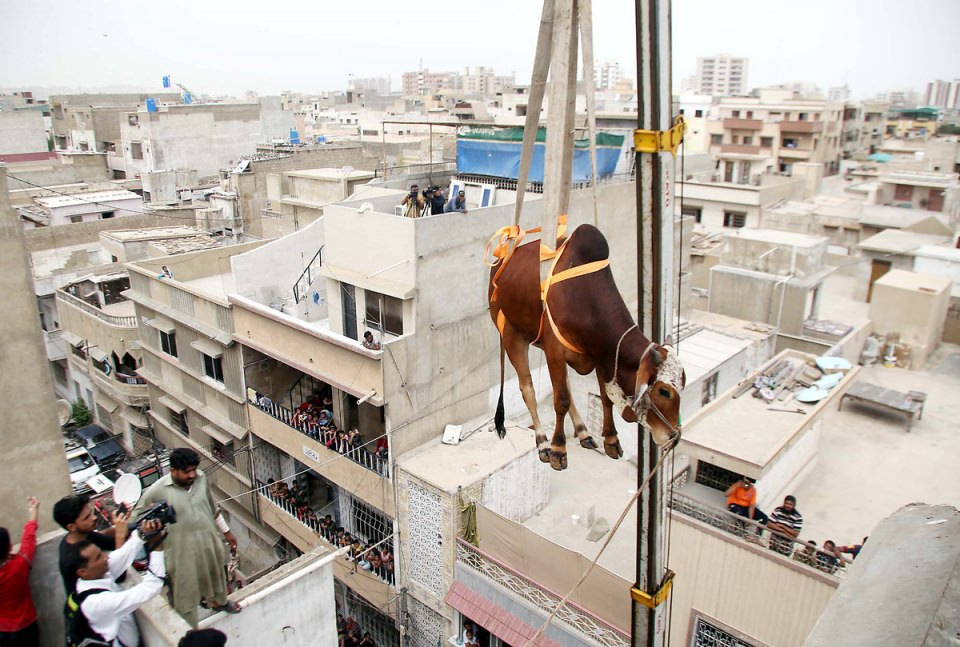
742,500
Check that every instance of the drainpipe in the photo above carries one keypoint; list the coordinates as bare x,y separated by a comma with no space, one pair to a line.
783,284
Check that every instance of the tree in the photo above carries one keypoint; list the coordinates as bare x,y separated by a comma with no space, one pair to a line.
80,413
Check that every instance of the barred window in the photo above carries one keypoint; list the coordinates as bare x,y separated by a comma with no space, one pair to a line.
706,634
373,526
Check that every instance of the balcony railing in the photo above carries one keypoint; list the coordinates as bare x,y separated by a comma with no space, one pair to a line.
303,516
750,532
358,455
801,126
739,149
735,123
113,320
415,169
570,614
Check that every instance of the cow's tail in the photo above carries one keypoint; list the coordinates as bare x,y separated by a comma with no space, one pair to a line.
499,416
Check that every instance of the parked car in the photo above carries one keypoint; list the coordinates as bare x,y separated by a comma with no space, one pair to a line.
105,449
82,468
146,468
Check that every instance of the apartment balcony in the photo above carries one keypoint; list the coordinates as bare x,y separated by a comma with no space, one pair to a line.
801,126
111,319
376,587
739,149
129,389
734,123
795,153
358,471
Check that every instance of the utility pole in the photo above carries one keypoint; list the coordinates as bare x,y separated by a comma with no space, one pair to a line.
655,142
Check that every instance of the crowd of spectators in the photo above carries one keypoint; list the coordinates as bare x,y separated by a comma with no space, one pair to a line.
376,558
314,418
785,524
350,634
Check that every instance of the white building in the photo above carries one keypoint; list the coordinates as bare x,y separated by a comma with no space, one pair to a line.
54,210
943,94
607,74
722,75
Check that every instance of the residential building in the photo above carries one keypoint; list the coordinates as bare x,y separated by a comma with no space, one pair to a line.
607,75
203,137
933,191
782,272
841,93
943,261
22,131
943,94
33,459
695,109
774,131
891,249
914,306
91,122
722,75
874,126
297,198
483,82
379,85
194,376
852,130
912,123
424,82
64,208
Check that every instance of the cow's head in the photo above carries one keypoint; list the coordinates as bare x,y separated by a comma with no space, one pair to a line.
656,399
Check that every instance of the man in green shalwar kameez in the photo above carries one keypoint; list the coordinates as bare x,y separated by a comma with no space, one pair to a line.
194,544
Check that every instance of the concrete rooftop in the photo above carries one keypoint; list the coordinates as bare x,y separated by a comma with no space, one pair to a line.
897,241
777,237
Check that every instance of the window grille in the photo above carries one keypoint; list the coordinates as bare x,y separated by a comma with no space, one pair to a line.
707,635
715,476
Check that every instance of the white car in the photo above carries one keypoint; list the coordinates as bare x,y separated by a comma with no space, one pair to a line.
82,467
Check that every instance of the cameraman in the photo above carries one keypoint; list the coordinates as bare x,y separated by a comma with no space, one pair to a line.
107,608
194,545
75,515
413,202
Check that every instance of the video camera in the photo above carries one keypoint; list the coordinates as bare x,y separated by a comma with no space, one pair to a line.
160,511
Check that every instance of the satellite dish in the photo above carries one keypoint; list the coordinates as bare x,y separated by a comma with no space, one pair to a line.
64,411
127,489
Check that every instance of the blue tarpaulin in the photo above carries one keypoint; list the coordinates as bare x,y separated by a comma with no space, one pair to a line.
502,159
151,105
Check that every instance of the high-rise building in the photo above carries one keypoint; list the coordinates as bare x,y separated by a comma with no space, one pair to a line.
378,84
607,74
943,94
722,75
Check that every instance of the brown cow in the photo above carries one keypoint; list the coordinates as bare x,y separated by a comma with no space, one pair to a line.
592,317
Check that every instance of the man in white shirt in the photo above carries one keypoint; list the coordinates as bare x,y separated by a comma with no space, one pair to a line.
110,611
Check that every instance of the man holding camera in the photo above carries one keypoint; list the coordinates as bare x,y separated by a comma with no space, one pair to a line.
106,609
413,203
75,515
194,544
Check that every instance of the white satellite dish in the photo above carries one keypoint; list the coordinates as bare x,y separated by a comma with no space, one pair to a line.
127,490
64,411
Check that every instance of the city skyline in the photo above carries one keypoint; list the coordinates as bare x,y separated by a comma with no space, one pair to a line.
229,49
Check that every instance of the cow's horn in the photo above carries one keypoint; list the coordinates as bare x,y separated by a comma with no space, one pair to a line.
656,358
636,400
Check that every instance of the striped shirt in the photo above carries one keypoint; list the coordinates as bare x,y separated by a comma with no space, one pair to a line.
792,519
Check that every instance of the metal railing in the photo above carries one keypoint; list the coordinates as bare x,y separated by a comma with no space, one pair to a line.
113,320
305,280
311,519
537,187
415,169
751,532
358,455
572,615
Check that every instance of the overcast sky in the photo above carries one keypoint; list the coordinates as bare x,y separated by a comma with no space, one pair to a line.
228,47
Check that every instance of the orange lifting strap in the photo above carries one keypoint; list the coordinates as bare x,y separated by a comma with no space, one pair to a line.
504,249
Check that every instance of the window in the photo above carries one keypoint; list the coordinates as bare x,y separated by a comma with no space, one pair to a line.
384,313
75,219
747,140
84,146
735,139
708,634
714,476
223,452
766,142
698,113
136,150
106,215
168,343
213,367
133,120
803,116
178,420
716,139
709,390
789,142
736,113
734,219
749,114
696,212
521,110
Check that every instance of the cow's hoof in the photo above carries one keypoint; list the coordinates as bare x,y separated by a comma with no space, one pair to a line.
502,432
587,442
613,450
545,455
558,460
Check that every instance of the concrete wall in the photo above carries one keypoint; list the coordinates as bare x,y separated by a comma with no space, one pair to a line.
22,131
33,460
766,597
917,314
87,232
66,169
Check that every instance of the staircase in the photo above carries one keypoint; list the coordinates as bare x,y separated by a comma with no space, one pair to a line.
302,286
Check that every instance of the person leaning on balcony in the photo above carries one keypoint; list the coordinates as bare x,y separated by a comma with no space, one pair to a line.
413,203
18,617
785,524
742,500
369,342
458,203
